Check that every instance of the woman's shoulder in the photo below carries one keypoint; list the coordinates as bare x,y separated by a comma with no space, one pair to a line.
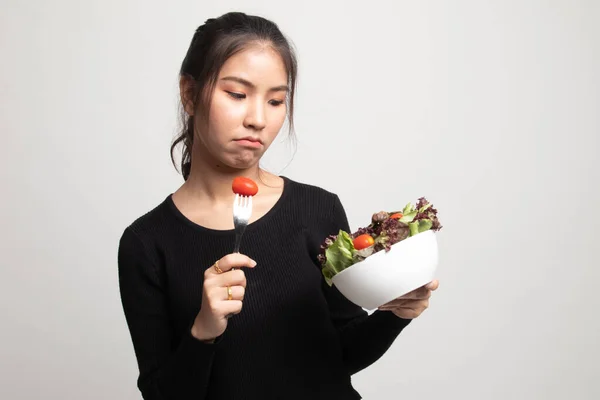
310,190
149,221
315,199
321,209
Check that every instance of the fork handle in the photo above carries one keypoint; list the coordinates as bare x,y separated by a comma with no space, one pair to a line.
236,249
238,239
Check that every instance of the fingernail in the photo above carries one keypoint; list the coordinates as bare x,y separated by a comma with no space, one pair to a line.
253,263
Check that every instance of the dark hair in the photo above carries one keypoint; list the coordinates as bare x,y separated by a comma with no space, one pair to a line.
213,43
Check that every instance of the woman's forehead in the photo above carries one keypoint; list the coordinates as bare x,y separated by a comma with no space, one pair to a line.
261,67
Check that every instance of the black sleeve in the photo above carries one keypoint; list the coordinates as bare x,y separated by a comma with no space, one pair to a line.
365,338
169,368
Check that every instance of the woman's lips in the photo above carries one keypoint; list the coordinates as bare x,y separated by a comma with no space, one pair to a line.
249,142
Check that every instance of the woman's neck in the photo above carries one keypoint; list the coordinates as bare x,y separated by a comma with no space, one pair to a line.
206,196
209,181
213,184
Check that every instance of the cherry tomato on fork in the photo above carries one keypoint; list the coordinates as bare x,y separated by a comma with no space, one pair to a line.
363,241
244,186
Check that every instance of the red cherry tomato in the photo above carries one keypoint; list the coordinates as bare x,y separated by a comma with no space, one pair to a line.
363,241
244,186
396,216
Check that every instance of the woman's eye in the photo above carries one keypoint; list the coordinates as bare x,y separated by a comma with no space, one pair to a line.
237,96
276,102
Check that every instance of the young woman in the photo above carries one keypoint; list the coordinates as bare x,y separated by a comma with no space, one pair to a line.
207,323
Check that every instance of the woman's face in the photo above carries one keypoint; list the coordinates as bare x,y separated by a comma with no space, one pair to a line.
248,108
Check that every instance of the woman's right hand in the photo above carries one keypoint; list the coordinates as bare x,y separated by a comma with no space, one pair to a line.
211,321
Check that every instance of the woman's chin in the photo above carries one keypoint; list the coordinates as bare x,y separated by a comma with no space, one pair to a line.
241,162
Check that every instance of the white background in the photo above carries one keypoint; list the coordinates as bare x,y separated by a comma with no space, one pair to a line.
490,109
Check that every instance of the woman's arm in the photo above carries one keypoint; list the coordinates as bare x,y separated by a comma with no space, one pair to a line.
169,367
365,338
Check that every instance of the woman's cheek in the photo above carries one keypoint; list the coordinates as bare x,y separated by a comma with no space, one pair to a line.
227,112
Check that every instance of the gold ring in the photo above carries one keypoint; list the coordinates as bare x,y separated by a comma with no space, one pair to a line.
219,270
229,293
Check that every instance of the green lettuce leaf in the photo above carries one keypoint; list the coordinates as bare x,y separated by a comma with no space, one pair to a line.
425,207
414,228
409,208
425,225
339,256
407,218
420,226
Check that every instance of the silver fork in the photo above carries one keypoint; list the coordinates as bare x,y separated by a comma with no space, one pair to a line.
242,210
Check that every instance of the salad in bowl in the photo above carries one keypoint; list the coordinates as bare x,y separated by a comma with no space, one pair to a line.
393,255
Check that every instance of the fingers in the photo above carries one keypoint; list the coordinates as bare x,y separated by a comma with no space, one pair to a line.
217,297
417,294
405,303
433,285
231,278
216,285
219,307
237,293
412,304
415,300
408,308
408,313
424,292
230,307
394,304
233,260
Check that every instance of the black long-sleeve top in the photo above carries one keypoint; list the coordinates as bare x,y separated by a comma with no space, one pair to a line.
296,337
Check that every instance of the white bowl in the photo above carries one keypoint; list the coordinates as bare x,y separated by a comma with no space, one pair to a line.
385,276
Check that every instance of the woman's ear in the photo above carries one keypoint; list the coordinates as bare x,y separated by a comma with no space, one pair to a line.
186,91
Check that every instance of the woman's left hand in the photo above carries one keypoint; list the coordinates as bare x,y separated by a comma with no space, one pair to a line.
412,304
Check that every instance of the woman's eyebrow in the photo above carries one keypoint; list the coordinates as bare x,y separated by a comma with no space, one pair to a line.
281,88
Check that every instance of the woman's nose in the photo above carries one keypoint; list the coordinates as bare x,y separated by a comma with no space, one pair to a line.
255,117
